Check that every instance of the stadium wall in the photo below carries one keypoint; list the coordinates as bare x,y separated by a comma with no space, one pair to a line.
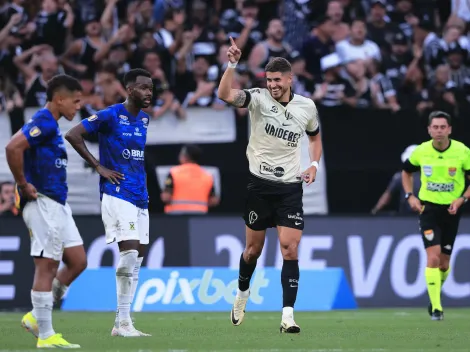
382,258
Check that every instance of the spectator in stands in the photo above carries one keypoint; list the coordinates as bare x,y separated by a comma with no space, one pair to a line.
7,199
52,24
340,29
246,30
356,71
302,81
273,46
318,45
36,83
189,189
383,94
10,97
455,57
379,27
332,89
357,47
440,92
108,86
80,57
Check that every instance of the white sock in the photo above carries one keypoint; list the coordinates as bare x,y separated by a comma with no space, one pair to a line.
58,290
243,294
124,278
42,307
135,276
135,281
288,312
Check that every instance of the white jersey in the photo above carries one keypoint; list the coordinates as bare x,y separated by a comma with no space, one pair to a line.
274,148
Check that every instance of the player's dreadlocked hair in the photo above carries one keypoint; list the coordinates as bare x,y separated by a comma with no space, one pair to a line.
62,82
439,115
278,64
131,76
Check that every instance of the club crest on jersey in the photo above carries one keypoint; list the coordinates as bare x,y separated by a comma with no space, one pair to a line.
34,132
452,171
92,118
427,170
274,109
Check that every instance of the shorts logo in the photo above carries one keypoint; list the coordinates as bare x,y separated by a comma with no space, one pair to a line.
429,235
252,217
452,171
427,170
34,132
131,226
92,118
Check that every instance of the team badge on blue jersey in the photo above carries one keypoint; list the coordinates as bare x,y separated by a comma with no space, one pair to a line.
34,132
427,170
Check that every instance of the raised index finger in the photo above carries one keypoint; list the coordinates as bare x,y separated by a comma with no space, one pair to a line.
232,42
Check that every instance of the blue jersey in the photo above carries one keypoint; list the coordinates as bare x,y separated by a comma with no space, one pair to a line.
45,162
122,138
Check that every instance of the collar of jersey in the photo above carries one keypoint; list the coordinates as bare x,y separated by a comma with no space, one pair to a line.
442,151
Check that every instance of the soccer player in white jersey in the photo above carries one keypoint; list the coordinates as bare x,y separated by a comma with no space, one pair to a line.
279,119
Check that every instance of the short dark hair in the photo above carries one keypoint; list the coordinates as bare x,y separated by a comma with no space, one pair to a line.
278,64
193,152
62,82
439,115
131,76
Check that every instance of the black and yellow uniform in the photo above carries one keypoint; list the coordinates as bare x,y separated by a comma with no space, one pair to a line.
443,174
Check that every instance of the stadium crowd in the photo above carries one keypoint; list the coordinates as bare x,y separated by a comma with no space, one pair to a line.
390,54
386,54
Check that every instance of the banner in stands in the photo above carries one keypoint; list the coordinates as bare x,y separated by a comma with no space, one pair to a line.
382,258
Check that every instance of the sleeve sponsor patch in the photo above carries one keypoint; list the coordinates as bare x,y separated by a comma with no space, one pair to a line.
92,118
34,132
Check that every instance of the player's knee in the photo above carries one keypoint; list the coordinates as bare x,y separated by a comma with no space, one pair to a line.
433,260
252,253
290,250
127,260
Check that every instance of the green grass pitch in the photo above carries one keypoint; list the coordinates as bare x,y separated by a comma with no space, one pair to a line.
367,330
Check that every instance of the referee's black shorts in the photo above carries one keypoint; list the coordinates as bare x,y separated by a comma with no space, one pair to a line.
438,227
271,204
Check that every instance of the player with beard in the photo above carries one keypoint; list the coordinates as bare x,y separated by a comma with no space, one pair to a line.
122,132
279,119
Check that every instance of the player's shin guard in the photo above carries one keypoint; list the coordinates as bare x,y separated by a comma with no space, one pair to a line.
124,279
290,282
42,305
245,273
433,282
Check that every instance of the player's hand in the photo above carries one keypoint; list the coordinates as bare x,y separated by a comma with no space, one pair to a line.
233,52
28,191
110,175
309,175
456,204
415,204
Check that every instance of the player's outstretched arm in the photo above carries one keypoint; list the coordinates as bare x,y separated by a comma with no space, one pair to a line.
234,97
75,136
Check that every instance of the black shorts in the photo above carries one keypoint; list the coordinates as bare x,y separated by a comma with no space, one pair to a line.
438,227
271,204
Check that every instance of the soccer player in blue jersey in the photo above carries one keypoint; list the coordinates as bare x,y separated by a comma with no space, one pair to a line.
122,132
37,158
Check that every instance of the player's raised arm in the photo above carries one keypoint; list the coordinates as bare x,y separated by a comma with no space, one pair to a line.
236,97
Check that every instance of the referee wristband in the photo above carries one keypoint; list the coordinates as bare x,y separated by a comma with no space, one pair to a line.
315,163
232,65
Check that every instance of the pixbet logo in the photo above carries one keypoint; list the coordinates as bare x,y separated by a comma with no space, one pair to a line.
205,290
